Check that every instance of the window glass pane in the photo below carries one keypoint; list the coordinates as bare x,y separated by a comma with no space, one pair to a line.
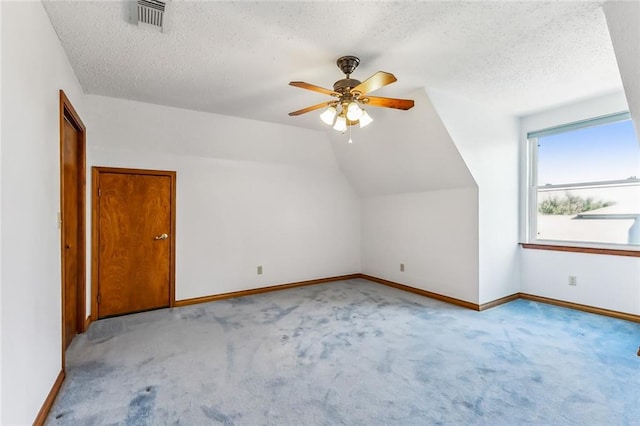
601,153
602,214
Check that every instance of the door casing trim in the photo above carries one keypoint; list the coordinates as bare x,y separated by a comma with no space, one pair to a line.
68,112
95,243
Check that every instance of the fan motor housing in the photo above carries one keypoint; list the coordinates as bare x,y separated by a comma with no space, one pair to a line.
343,86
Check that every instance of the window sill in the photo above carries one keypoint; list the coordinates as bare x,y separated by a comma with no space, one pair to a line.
590,250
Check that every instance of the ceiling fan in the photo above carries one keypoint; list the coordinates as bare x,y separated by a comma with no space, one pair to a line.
351,95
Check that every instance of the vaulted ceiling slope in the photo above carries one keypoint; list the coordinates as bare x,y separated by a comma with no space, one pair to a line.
623,19
404,152
236,58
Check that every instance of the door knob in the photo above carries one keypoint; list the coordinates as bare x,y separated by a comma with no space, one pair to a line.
161,237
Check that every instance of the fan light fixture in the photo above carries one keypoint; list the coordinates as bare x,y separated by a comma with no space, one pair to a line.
329,115
354,112
365,119
351,95
341,124
349,116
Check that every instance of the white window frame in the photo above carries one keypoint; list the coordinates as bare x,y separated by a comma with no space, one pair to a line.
532,187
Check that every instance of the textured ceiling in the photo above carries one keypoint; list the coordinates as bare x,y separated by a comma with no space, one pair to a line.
236,58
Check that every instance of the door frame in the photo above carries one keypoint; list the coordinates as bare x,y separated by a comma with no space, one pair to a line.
96,171
68,113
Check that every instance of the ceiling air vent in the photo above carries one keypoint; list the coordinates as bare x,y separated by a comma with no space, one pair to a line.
151,14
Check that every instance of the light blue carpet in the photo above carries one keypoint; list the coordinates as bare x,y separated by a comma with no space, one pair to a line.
353,353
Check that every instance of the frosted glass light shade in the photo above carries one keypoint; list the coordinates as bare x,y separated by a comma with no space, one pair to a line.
354,112
365,119
341,124
329,115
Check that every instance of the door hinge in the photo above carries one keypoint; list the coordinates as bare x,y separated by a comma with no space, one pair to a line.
98,299
99,192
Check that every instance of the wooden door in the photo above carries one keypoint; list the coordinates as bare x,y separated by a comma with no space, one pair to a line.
72,182
135,227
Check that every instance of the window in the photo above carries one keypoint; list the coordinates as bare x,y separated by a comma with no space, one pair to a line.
584,185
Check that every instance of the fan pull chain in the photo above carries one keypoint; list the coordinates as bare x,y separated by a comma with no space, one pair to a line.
350,140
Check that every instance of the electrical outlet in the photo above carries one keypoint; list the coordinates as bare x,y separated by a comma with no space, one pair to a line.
573,280
260,270
402,267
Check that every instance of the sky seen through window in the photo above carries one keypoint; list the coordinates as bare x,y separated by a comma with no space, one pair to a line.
601,153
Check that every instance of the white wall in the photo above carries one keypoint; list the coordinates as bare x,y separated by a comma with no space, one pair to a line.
34,68
248,194
610,282
420,204
435,235
488,142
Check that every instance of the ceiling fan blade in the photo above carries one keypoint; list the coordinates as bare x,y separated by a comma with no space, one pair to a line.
312,108
377,101
376,81
303,85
